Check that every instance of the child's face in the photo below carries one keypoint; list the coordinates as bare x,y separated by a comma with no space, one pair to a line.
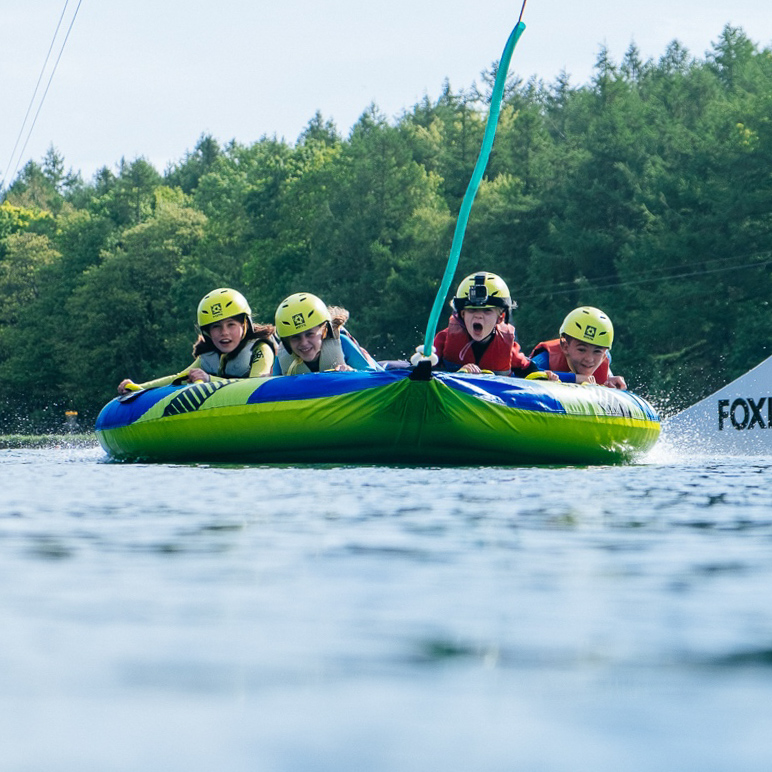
479,322
227,334
307,345
583,358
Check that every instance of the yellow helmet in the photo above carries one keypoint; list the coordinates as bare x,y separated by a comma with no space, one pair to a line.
483,290
300,312
590,325
221,304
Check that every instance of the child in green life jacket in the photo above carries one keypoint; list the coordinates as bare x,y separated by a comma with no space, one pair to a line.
229,345
314,339
582,352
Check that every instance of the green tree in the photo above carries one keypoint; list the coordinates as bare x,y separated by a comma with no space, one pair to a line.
32,189
187,174
127,199
25,255
445,139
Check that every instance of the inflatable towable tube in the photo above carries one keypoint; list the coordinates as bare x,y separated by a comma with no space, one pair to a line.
380,417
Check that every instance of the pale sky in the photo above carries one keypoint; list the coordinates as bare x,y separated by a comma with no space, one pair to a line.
146,78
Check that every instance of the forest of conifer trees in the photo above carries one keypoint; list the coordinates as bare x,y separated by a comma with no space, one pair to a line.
646,192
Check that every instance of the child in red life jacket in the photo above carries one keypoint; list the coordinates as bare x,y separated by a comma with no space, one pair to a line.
581,354
479,336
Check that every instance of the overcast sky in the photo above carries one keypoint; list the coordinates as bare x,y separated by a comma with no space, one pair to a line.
146,78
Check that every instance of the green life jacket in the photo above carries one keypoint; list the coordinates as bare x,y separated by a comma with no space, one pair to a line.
330,357
225,366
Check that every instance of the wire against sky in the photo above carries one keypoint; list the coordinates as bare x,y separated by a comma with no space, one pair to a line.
35,92
522,11
652,278
42,99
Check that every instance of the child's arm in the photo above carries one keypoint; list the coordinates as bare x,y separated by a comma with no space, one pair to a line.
616,382
156,383
439,348
542,362
523,366
355,357
262,360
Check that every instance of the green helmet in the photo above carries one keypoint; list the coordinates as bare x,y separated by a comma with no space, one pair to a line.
300,312
590,325
482,290
222,304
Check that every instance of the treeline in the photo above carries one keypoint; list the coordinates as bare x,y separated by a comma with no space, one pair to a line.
646,192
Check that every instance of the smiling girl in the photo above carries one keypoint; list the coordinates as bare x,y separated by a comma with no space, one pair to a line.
311,338
229,345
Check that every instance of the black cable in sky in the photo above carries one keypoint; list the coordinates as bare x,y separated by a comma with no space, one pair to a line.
656,274
649,280
522,11
48,85
35,92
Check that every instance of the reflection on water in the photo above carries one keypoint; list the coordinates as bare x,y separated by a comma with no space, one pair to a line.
256,618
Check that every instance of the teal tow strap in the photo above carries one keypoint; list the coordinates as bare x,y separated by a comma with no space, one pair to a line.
474,184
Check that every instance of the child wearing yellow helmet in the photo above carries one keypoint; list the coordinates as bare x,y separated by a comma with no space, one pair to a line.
582,352
479,336
229,345
310,334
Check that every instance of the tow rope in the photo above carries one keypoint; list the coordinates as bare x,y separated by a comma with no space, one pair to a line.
471,191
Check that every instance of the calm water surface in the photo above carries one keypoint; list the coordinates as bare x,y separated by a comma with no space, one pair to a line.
271,618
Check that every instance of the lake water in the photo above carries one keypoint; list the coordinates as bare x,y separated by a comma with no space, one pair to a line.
200,617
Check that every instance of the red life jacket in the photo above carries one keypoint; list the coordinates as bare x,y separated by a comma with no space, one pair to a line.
454,347
559,363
